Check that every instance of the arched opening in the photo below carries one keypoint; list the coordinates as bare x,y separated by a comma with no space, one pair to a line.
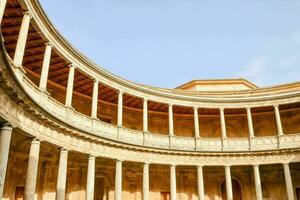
236,189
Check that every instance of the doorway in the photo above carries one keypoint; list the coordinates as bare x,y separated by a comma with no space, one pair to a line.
298,193
99,188
236,190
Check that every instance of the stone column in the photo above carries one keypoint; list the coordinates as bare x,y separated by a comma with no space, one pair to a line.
70,85
22,38
200,182
228,183
62,175
5,138
45,67
95,99
257,181
173,182
118,180
90,183
288,181
120,108
171,125
250,123
146,181
278,120
33,162
223,123
2,9
196,122
145,115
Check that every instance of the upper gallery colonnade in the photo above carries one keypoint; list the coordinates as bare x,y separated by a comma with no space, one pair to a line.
172,141
52,95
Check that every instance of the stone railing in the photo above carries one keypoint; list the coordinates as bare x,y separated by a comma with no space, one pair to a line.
95,127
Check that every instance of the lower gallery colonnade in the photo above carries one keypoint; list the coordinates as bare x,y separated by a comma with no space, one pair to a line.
71,130
32,179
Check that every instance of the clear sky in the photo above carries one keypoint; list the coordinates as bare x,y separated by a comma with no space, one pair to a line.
169,42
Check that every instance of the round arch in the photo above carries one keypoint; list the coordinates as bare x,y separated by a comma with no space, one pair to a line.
236,190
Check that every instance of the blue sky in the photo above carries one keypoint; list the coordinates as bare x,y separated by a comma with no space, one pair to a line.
169,42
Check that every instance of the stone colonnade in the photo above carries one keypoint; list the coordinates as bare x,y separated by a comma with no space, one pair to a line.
31,177
18,57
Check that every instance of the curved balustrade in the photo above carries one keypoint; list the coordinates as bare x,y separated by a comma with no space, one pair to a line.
61,125
134,137
226,100
70,116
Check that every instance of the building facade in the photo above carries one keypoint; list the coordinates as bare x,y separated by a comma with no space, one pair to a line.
71,130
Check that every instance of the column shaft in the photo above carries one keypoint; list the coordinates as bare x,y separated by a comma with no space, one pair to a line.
223,123
22,38
118,180
145,115
33,161
5,139
95,99
200,182
90,183
171,125
62,175
288,181
173,182
250,123
45,67
278,120
70,85
2,9
196,122
257,181
146,181
228,183
120,108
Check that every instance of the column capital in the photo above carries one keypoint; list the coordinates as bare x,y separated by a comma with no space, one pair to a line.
227,165
146,163
221,109
7,126
172,165
92,157
248,107
63,149
119,160
48,44
95,80
71,65
195,107
36,141
276,105
256,165
26,12
120,92
145,99
285,163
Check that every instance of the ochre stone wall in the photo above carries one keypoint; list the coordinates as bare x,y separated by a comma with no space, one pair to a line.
290,121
